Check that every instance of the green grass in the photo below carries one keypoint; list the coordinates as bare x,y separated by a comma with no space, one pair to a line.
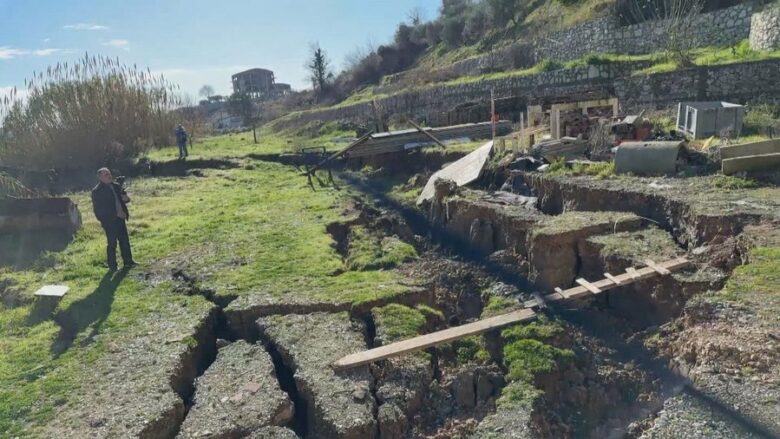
710,56
731,182
398,322
598,169
367,251
257,234
526,354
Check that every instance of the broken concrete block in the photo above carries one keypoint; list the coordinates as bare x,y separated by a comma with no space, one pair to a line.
237,394
338,405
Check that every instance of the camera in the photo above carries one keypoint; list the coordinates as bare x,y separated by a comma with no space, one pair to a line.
120,180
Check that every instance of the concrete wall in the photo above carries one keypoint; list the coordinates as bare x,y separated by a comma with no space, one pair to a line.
755,81
765,29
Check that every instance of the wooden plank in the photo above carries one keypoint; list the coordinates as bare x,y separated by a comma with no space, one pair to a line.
660,270
435,338
614,280
750,163
425,341
588,286
342,152
422,130
52,291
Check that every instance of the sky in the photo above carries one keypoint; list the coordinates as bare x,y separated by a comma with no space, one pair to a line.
194,42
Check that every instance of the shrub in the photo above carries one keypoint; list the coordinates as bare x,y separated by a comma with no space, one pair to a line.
762,119
549,65
93,113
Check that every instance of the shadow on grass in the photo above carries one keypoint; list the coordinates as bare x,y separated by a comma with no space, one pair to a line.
89,311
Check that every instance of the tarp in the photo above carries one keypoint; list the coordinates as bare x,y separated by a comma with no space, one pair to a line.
462,172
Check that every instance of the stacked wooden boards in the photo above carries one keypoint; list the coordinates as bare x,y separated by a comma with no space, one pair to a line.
756,156
398,141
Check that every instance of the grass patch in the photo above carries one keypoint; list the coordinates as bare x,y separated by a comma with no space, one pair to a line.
733,183
598,169
527,355
398,322
367,251
258,234
711,56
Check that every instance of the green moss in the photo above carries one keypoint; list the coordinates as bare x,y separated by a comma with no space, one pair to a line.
472,349
731,182
429,312
499,305
598,169
756,281
398,322
526,358
367,251
519,393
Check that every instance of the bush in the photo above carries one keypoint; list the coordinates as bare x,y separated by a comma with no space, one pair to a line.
452,31
548,65
91,114
762,119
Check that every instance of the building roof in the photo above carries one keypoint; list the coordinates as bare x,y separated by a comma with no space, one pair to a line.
256,69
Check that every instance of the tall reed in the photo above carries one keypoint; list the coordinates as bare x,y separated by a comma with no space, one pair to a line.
91,113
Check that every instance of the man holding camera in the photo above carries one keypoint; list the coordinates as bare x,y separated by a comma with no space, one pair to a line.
109,202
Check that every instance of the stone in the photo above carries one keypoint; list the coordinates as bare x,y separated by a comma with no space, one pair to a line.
308,344
244,373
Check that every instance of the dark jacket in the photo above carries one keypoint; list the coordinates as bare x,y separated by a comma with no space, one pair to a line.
103,202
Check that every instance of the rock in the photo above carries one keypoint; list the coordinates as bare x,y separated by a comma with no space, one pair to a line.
308,344
463,389
244,374
273,433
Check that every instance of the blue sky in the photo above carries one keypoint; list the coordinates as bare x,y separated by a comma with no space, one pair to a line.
194,42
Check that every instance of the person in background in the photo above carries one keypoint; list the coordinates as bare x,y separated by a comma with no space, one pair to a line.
109,202
181,140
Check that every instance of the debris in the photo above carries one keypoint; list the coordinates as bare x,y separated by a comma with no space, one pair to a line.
650,158
510,199
713,118
568,147
754,156
56,291
405,140
462,172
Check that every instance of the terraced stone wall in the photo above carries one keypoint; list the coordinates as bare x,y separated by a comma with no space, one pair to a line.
754,81
765,29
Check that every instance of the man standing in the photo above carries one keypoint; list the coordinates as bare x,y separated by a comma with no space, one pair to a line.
109,202
181,140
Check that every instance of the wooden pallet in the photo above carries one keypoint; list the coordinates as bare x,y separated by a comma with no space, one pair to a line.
584,288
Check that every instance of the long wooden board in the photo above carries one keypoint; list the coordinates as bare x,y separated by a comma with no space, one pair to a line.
432,339
480,326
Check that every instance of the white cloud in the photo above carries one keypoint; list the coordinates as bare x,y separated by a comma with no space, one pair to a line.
11,52
85,26
45,40
119,44
46,52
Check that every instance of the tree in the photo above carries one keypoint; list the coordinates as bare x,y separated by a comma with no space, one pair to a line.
504,11
241,105
206,91
319,69
416,16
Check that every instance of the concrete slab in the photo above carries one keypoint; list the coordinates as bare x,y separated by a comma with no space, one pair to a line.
462,172
56,291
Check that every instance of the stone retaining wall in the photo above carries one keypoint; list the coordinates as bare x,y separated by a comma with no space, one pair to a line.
753,81
765,29
723,27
